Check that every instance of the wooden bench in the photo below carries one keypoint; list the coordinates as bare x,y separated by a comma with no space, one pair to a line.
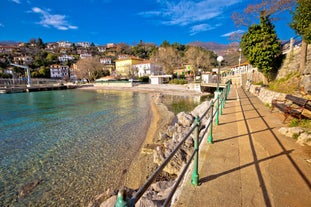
291,106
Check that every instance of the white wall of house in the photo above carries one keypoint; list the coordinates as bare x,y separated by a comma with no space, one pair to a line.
207,78
59,71
65,58
147,69
159,79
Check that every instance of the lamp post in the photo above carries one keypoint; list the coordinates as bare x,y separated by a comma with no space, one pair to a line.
240,50
219,60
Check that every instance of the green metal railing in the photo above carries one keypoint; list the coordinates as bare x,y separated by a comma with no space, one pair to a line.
213,112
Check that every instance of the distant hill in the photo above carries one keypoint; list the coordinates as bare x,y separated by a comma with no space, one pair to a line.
9,43
219,49
230,52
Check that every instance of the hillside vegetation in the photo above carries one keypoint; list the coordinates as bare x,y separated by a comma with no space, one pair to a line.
289,78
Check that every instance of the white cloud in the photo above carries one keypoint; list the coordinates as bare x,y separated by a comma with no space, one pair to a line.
233,32
16,1
188,13
200,28
185,12
53,20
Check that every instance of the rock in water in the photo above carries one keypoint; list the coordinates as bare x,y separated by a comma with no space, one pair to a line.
28,188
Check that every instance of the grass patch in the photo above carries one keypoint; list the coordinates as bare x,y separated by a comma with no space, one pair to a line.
288,84
295,136
304,123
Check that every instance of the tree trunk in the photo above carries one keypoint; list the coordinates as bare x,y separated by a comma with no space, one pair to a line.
304,52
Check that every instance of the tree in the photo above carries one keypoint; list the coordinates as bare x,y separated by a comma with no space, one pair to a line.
301,23
89,68
143,50
252,13
198,57
261,46
51,58
168,57
270,7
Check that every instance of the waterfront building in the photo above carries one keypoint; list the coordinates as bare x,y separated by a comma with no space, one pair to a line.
147,68
124,66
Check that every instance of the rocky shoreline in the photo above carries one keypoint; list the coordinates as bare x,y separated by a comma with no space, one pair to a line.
157,147
151,153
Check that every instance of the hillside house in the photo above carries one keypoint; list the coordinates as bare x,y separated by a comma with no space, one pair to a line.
124,66
147,68
25,60
59,71
186,71
107,64
65,58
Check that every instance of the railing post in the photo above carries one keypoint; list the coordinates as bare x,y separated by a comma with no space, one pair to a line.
221,102
217,110
225,95
195,174
210,136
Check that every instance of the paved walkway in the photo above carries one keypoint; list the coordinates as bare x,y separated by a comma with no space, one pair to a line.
250,163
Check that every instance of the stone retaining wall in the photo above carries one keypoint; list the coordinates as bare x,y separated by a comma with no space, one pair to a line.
266,95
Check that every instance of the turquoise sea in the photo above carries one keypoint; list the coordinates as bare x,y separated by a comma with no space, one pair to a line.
62,148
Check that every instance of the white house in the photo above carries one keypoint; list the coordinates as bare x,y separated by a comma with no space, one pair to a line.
85,55
146,68
105,60
64,44
65,58
83,44
159,79
59,71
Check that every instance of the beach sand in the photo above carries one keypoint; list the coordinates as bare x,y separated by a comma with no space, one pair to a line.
142,166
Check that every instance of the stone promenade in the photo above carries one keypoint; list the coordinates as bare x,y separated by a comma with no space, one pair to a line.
249,163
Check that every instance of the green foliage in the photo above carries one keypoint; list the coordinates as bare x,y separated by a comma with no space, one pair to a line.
144,79
303,123
258,83
261,46
178,81
106,72
43,72
295,136
301,22
294,123
5,75
143,50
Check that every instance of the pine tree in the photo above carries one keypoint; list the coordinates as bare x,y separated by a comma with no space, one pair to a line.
261,46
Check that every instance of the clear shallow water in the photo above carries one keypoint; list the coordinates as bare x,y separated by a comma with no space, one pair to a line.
74,142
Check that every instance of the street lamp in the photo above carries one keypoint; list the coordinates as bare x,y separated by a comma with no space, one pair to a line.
240,50
219,60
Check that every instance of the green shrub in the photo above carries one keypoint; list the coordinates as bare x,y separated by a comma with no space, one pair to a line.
294,123
258,83
303,123
144,79
295,136
178,81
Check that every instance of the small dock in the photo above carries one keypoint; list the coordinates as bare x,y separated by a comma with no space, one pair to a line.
36,88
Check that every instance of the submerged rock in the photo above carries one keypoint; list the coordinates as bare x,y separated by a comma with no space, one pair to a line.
28,188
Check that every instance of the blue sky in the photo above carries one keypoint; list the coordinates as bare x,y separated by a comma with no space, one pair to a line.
125,21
